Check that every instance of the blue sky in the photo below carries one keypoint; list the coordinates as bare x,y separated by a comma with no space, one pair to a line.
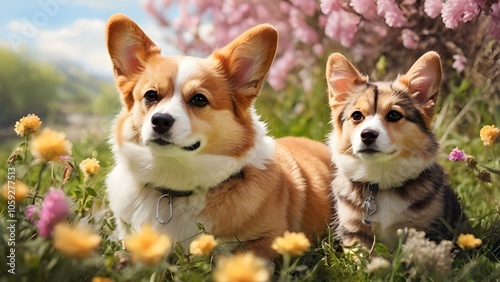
68,30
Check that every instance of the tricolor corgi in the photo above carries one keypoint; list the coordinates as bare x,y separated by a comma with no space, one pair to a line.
189,147
385,152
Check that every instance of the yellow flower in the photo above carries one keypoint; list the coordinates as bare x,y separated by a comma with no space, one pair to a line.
101,279
16,191
89,167
204,245
75,241
243,267
50,145
27,125
489,134
291,244
148,246
468,241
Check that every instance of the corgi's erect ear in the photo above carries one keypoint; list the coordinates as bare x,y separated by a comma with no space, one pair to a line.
423,81
342,77
247,59
129,48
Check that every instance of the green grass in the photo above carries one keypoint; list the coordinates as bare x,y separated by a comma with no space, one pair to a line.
461,115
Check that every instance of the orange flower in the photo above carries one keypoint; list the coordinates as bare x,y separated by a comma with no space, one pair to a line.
489,134
291,244
17,191
148,246
203,245
241,268
101,279
50,145
468,241
27,125
75,241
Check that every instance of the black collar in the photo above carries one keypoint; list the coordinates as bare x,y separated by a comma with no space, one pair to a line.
366,187
186,193
373,188
174,193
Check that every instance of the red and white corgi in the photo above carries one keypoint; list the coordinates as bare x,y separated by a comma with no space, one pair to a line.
385,152
189,147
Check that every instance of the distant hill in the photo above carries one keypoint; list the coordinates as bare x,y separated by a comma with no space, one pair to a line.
52,91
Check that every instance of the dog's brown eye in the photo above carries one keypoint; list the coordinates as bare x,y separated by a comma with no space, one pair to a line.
357,116
199,100
393,116
151,96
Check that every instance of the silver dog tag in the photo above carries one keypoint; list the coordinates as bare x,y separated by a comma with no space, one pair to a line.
370,208
170,207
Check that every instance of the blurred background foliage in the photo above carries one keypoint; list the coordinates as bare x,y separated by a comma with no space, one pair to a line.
50,90
63,96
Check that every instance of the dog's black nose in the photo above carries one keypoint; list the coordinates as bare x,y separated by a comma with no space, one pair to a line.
162,122
368,136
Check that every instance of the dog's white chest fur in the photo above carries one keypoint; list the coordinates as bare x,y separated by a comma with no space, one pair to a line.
391,212
134,205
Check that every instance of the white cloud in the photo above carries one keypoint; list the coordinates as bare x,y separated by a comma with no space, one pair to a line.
81,42
15,26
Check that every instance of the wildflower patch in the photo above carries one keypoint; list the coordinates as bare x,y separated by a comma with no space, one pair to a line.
54,212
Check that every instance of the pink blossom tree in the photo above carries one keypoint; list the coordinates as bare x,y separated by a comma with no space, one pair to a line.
310,29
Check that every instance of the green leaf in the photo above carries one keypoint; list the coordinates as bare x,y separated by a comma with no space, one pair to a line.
91,192
72,165
52,263
491,169
77,193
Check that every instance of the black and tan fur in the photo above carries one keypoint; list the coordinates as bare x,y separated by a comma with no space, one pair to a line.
383,146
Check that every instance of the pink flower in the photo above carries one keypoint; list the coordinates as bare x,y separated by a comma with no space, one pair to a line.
459,63
32,213
318,49
186,20
457,11
281,67
410,38
494,28
328,5
55,208
471,10
235,11
301,30
307,7
390,10
366,8
433,8
457,155
342,26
